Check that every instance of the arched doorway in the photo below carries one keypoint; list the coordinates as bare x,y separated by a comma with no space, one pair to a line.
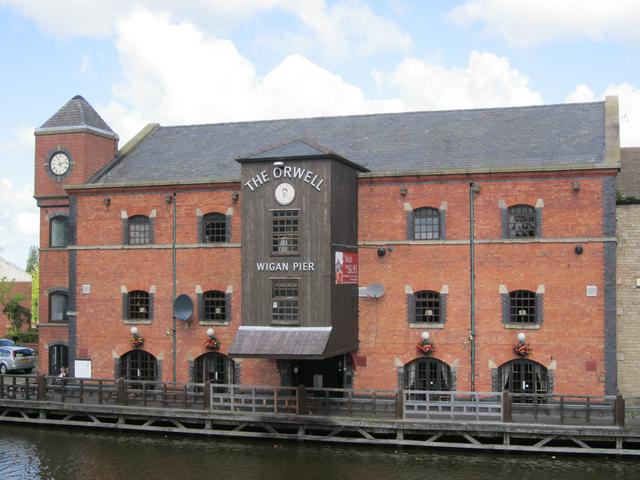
58,358
213,366
523,376
427,374
138,365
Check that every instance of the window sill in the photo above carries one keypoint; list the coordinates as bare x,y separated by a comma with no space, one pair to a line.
427,325
220,323
137,322
285,324
53,324
522,326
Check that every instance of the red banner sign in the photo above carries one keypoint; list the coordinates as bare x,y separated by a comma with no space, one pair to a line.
346,268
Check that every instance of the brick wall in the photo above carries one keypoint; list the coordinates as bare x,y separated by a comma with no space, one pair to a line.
18,288
570,342
628,321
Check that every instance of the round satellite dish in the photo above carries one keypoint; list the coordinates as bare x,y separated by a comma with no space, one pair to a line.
375,290
182,307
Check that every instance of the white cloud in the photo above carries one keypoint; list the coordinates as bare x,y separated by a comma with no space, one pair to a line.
530,22
487,81
174,73
338,29
582,93
20,142
629,104
19,221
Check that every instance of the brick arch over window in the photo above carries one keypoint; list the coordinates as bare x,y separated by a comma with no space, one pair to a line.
426,223
522,221
214,367
427,373
138,230
138,365
137,305
59,231
58,357
522,376
214,228
58,305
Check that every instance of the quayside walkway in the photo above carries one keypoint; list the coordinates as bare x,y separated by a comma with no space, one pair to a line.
464,420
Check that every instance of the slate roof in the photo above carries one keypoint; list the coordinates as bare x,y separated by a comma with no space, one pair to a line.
295,342
628,180
484,139
77,112
12,273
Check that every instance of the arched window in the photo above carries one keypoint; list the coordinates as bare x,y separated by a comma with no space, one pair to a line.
523,376
58,358
138,365
215,308
522,306
522,221
59,231
426,224
214,228
138,305
427,307
139,231
215,367
427,374
58,304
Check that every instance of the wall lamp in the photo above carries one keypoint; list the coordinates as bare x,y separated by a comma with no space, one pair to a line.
235,196
522,337
403,191
106,201
210,332
134,331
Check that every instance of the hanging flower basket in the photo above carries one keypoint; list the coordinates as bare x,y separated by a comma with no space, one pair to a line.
137,341
522,349
425,347
212,343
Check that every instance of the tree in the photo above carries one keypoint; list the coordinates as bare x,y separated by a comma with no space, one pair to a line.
33,260
16,313
33,267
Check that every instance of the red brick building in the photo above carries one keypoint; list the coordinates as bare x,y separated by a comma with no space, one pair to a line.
357,243
20,283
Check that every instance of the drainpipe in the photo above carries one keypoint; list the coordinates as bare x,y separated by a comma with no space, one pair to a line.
173,324
472,331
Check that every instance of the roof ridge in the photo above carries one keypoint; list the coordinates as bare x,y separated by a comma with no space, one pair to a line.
380,114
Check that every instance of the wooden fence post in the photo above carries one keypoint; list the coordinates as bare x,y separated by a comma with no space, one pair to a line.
122,391
302,400
506,407
400,403
42,388
619,410
207,395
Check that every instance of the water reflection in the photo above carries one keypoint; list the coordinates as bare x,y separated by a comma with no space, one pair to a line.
39,453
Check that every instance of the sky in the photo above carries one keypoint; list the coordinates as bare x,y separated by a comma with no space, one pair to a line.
208,61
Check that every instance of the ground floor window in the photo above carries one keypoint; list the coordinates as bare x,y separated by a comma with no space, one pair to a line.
427,374
58,358
523,376
138,365
214,367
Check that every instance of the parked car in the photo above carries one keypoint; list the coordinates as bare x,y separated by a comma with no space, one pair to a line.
6,342
15,358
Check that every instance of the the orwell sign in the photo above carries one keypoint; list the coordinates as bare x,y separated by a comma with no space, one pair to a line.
303,174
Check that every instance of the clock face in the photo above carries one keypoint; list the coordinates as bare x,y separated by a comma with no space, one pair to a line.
285,193
59,163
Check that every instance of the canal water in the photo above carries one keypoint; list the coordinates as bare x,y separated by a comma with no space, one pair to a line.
46,453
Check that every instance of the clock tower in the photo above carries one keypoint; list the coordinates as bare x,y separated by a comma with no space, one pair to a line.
71,147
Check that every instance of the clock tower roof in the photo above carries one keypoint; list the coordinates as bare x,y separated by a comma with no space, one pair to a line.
76,114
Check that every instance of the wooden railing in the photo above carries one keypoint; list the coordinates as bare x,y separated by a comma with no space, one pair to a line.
410,405
254,399
443,405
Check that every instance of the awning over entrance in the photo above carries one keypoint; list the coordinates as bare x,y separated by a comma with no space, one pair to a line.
280,342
